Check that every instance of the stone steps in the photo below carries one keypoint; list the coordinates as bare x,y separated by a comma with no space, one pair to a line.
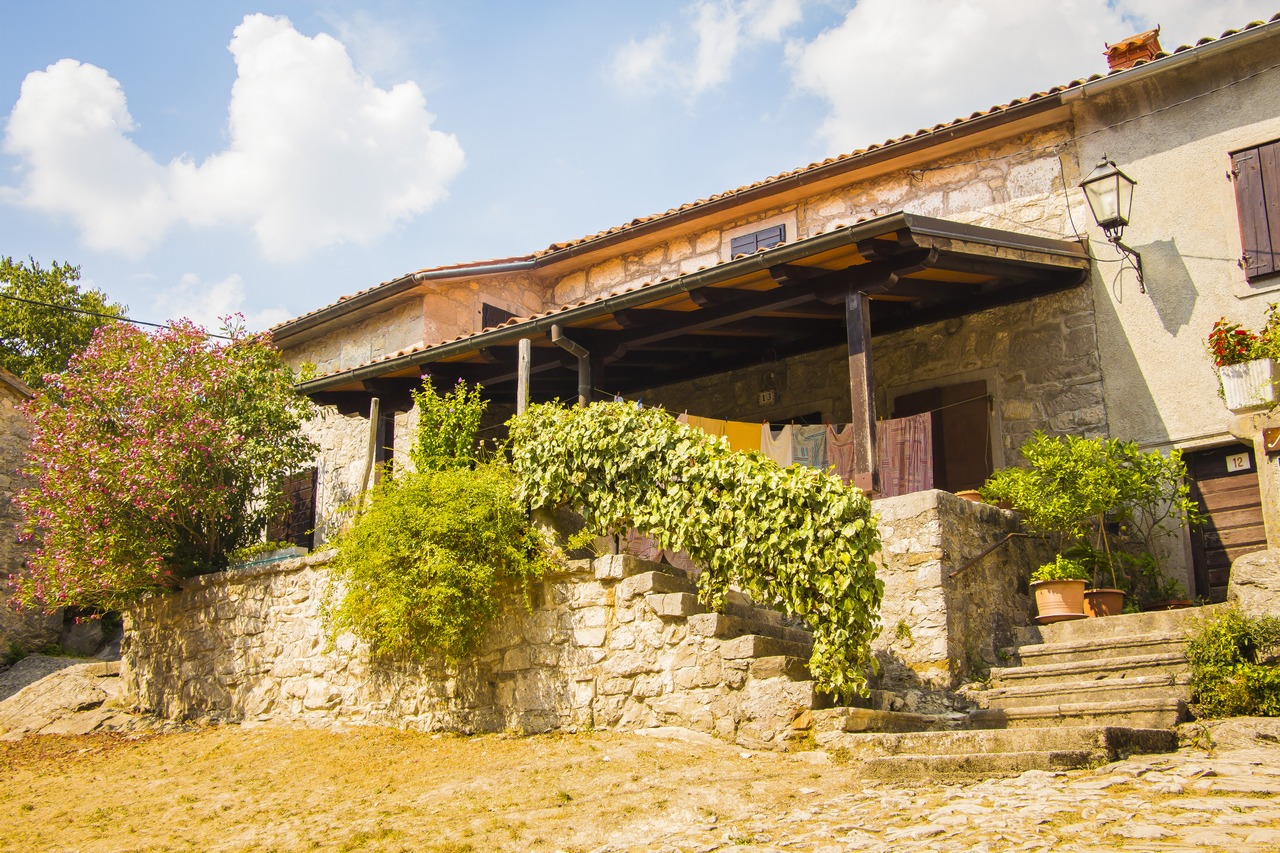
1112,669
1158,712
1118,689
1034,654
724,626
992,752
837,721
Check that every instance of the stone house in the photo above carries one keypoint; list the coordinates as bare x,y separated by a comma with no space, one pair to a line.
956,270
27,629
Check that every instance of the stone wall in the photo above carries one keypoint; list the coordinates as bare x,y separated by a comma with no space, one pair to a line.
608,643
1039,358
604,644
1016,185
30,630
945,615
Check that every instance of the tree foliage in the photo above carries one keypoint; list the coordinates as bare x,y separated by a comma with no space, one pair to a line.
794,538
154,457
1074,487
417,574
36,339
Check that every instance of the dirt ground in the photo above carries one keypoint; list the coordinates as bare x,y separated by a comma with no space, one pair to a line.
233,788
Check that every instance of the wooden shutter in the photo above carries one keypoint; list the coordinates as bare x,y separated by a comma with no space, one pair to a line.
961,432
756,240
1257,178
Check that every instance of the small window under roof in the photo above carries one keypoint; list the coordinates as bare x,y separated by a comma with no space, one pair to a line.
757,240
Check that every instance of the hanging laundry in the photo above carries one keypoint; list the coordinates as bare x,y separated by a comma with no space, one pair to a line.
840,452
905,450
711,426
742,436
809,445
777,444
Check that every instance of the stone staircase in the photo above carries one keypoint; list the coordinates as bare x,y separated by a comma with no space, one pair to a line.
1083,693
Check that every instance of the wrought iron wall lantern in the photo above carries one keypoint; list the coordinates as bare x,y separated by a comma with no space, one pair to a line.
1109,192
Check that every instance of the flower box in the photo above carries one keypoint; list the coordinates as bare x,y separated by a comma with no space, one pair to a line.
1249,385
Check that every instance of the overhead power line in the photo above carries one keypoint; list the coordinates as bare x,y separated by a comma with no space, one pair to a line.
101,314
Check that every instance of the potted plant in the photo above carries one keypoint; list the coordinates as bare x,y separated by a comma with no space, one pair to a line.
1246,361
1104,504
1059,590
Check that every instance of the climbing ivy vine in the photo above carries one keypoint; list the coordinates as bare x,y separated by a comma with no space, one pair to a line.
795,538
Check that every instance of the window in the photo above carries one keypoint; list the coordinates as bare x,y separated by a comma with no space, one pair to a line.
297,520
757,240
1257,177
492,315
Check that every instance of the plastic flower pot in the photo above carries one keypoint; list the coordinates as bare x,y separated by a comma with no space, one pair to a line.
1103,602
1058,601
1249,385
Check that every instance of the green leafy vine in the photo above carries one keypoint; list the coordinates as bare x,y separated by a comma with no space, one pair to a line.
795,538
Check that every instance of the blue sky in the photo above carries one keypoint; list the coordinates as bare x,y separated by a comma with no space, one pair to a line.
203,158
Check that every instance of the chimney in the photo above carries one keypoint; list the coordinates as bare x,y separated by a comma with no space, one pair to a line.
1127,53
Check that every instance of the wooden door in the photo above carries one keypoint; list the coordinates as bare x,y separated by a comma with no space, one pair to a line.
961,432
1225,483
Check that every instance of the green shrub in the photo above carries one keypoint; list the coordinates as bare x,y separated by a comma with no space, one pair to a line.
447,426
1235,665
421,566
1062,569
795,538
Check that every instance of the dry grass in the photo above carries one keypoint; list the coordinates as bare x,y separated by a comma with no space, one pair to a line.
278,789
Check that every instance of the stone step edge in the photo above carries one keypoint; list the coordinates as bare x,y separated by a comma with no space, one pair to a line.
759,646
991,765
1098,685
1095,645
725,625
1111,738
1017,673
1079,709
871,720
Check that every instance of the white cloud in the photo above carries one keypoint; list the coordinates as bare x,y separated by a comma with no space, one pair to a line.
318,155
207,304
720,30
894,66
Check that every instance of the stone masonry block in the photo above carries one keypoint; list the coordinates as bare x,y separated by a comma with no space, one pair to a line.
673,604
651,582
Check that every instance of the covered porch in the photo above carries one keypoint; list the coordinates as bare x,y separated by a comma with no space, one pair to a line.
821,300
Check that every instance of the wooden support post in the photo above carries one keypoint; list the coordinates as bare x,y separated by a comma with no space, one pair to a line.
862,391
524,360
375,418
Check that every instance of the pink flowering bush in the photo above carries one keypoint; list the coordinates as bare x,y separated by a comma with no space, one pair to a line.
155,455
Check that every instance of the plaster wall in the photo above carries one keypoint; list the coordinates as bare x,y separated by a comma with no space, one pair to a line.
1174,138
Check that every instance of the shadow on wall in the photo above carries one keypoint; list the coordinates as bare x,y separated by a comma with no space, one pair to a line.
1169,285
1131,409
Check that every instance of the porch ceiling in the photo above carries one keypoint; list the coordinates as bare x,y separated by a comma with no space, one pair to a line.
782,301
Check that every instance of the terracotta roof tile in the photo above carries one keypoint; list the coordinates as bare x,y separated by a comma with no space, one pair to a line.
643,220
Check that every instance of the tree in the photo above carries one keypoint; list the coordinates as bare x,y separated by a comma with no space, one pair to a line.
154,457
35,338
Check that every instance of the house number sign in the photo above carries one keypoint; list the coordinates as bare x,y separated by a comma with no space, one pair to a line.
1239,462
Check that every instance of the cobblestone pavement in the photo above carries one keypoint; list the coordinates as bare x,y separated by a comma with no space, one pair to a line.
1224,798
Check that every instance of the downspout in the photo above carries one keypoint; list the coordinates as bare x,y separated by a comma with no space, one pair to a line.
584,362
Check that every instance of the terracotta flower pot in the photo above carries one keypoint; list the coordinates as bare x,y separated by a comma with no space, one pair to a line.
1058,601
1103,602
